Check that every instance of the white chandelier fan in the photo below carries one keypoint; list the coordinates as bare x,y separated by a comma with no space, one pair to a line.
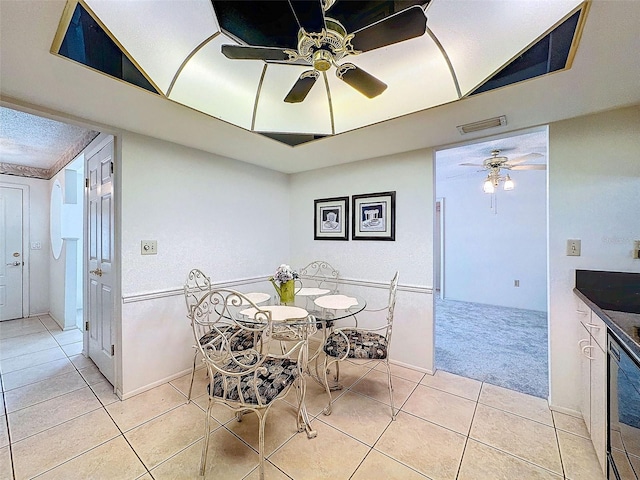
494,165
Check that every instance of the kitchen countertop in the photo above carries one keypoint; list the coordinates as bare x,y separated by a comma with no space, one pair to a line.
615,298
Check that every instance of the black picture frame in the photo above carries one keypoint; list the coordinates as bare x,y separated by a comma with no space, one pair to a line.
374,216
331,218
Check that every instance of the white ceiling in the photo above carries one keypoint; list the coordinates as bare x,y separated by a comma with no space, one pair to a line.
513,146
604,75
244,92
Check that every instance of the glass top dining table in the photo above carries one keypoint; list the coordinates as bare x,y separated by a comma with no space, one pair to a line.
293,323
325,308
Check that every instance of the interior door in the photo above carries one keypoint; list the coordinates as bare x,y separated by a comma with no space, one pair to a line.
12,264
100,298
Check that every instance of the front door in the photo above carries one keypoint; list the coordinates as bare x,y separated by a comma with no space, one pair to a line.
12,263
100,279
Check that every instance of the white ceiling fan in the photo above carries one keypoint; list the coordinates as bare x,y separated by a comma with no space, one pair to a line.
497,162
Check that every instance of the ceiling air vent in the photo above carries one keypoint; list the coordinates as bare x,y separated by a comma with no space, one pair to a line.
482,124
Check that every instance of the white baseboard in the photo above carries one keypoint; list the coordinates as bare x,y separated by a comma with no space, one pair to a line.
61,325
566,411
411,367
157,383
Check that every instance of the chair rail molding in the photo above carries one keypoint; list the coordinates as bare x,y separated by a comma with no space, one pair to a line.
145,296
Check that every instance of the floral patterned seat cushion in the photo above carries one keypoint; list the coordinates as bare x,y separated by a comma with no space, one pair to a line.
271,379
240,339
367,345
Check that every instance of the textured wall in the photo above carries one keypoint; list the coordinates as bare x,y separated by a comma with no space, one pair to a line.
594,185
411,176
486,251
228,218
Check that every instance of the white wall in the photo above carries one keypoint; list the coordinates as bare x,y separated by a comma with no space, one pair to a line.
594,196
228,218
65,275
486,248
39,193
411,176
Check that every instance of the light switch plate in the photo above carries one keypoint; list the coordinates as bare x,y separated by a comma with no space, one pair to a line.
573,248
148,247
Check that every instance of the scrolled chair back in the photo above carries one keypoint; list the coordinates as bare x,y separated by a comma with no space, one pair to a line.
195,287
320,274
238,374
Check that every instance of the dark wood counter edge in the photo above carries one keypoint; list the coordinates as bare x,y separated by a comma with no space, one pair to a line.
620,335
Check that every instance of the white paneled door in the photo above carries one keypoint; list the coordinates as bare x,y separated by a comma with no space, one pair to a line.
100,298
12,265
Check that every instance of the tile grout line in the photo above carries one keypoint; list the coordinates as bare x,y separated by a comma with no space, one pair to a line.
77,369
523,460
555,432
6,419
466,440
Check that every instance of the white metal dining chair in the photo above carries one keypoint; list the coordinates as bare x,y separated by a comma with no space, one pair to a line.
246,380
316,279
319,274
363,344
196,286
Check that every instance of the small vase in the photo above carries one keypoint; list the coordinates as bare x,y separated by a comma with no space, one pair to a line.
287,293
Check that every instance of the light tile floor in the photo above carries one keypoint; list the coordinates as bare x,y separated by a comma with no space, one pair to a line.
59,419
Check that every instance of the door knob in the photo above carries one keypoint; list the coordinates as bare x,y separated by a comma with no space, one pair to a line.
14,264
97,272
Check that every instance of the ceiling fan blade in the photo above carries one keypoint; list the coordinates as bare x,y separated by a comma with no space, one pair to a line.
530,166
471,164
364,82
309,13
524,158
409,23
242,52
302,86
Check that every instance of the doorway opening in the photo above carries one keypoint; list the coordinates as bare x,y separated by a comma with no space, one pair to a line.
74,271
490,261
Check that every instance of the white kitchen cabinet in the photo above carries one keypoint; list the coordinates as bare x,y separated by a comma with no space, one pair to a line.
593,348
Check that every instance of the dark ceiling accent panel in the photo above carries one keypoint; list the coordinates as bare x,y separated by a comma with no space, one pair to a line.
86,42
266,24
276,23
292,139
545,56
309,14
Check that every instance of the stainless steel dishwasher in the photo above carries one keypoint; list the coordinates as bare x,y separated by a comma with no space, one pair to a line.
624,413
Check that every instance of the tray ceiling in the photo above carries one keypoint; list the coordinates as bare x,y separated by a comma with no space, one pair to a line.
179,52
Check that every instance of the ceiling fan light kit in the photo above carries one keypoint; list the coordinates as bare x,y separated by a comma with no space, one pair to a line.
496,162
325,48
508,183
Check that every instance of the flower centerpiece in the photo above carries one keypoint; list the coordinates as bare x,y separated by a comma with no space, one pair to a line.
283,282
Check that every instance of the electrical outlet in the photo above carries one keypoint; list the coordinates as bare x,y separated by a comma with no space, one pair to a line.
573,248
516,283
636,249
148,247
36,246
